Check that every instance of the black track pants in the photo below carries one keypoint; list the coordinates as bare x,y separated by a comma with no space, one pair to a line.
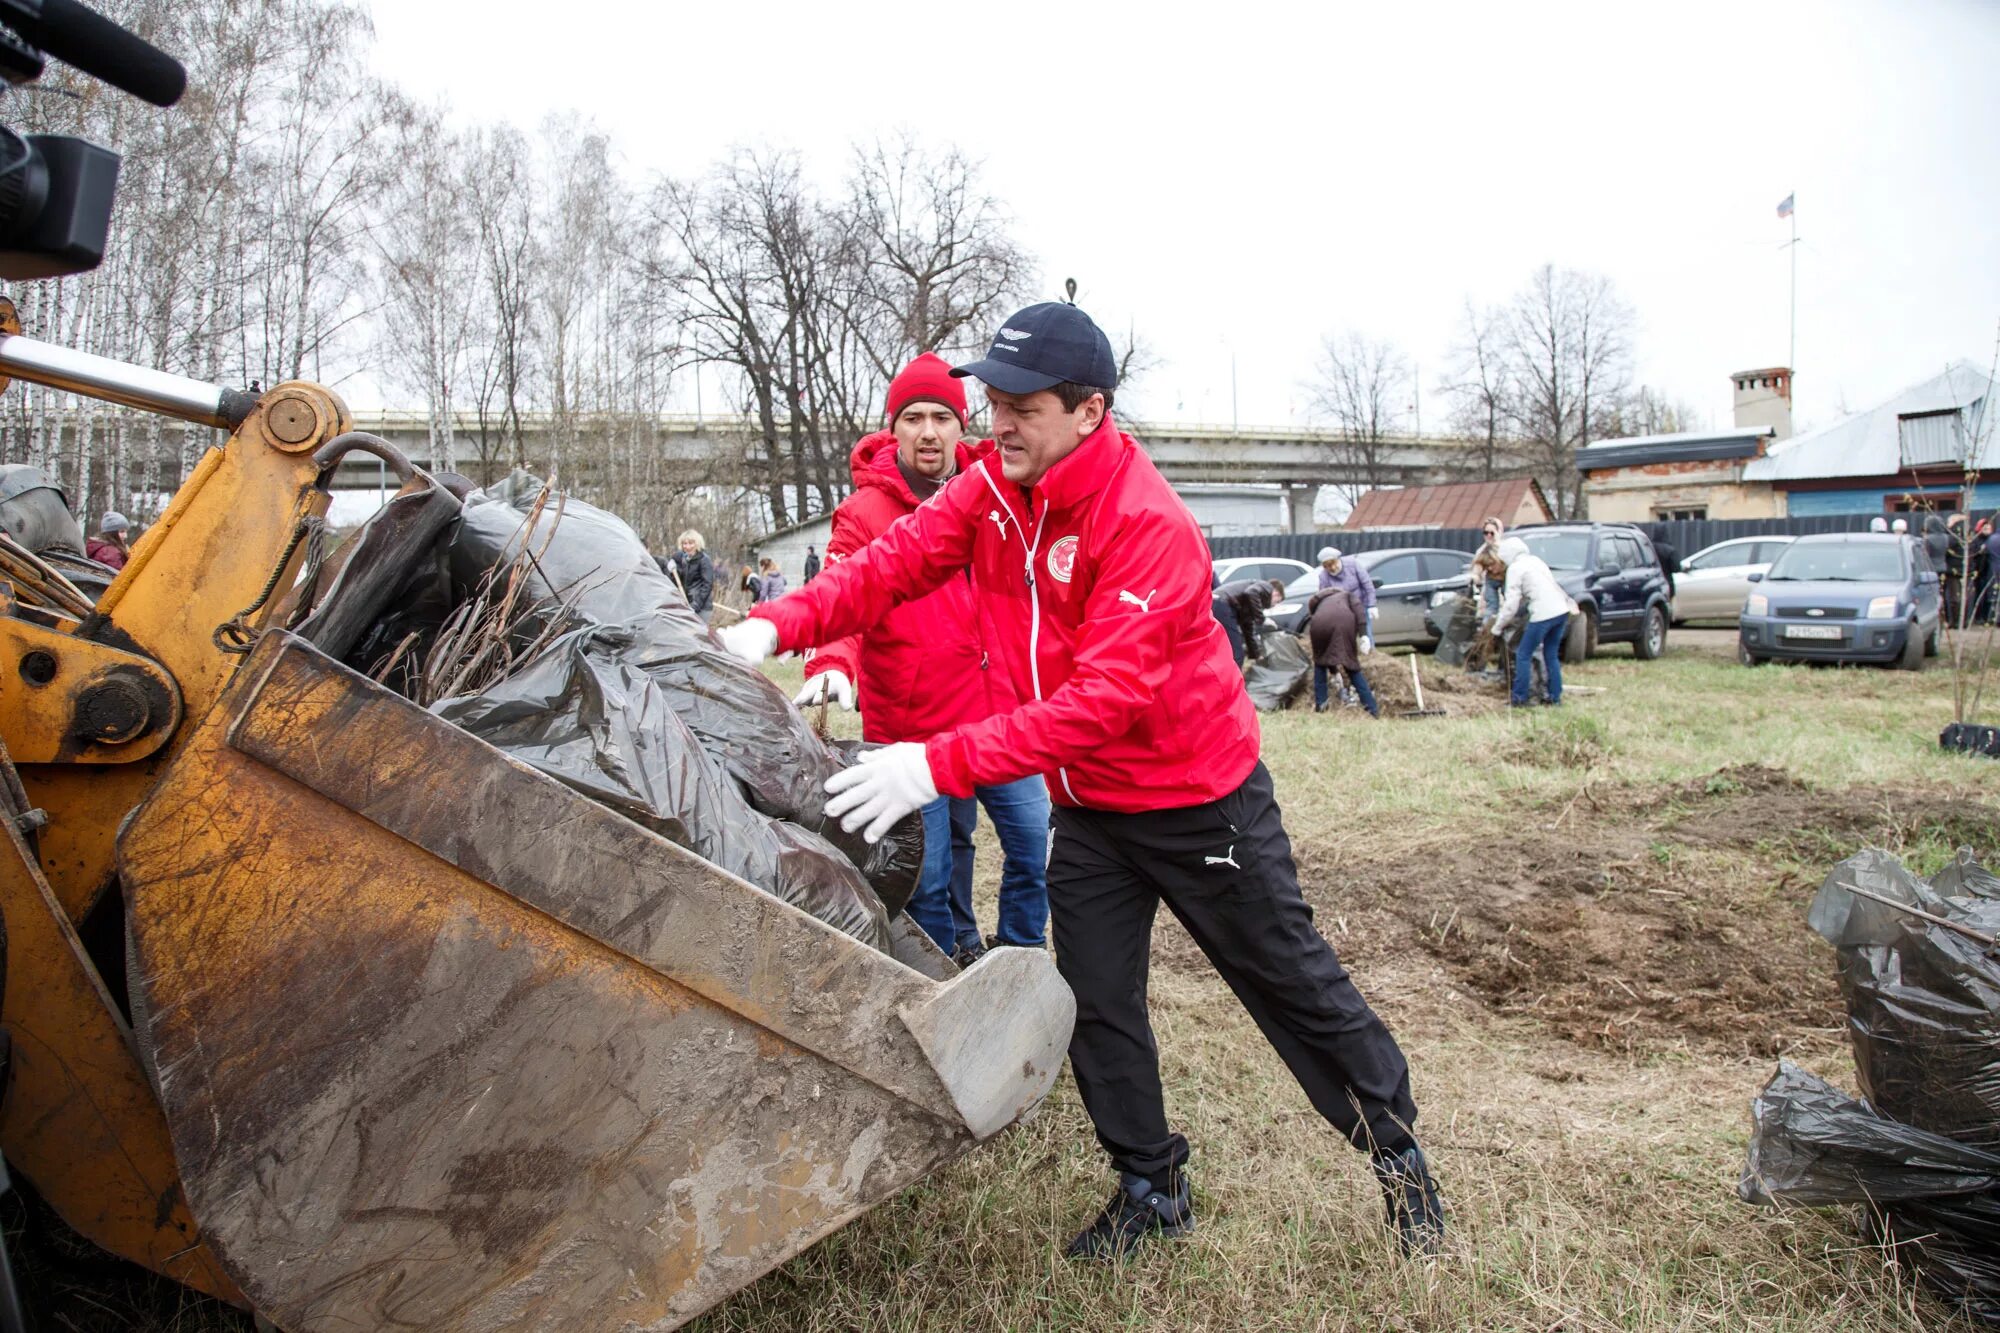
1225,870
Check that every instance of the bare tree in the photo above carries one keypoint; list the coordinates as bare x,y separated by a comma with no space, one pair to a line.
1569,347
501,194
1647,411
1360,386
430,278
1481,387
935,266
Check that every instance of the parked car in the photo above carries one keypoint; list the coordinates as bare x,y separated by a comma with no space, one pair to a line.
1713,582
1259,567
1407,578
1847,597
1613,573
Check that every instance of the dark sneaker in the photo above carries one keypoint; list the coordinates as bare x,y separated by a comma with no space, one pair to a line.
1411,1198
1137,1212
968,954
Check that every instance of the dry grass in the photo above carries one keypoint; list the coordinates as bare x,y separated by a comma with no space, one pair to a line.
1591,1182
1585,1110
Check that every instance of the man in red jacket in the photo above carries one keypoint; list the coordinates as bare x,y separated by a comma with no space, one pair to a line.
1095,581
924,669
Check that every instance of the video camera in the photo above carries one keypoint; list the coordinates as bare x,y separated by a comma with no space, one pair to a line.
56,190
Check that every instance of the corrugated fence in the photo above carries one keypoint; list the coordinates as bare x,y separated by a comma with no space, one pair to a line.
1688,536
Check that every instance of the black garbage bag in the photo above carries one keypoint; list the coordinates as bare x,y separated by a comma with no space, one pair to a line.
1922,1151
594,565
1923,1000
1934,1199
584,715
1456,641
1279,676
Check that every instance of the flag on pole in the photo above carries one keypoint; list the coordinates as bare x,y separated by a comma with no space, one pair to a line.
1785,209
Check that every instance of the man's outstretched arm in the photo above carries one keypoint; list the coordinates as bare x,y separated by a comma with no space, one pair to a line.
917,554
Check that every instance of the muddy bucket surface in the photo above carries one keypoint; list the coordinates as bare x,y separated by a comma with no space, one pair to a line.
443,1044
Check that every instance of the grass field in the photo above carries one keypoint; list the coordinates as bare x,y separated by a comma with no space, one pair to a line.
1587,928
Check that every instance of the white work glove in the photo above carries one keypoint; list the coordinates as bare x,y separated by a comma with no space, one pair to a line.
880,789
749,640
829,684
1373,611
1367,645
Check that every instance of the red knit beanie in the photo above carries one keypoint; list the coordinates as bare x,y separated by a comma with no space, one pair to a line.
927,379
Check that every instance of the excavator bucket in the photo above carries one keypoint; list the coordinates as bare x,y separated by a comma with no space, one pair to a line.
443,1044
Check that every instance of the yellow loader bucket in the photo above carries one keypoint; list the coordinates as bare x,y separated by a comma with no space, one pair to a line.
444,1045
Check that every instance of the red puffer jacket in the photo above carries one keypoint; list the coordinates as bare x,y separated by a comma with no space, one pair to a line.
923,668
1095,585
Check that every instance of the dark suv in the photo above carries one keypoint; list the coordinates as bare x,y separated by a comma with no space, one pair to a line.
1614,574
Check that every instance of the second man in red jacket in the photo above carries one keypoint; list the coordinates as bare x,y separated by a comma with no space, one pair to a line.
925,668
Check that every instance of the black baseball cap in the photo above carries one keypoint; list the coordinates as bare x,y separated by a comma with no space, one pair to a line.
1043,346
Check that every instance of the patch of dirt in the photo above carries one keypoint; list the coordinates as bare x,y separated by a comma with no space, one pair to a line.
1641,919
1445,688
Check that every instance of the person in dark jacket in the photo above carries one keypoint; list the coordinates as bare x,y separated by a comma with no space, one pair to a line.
1336,628
1240,606
1670,554
1957,582
1982,569
812,563
694,572
1937,542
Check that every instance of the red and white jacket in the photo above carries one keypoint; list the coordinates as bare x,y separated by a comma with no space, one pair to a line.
923,668
1095,588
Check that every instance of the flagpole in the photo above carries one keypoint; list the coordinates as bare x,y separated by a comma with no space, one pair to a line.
1793,355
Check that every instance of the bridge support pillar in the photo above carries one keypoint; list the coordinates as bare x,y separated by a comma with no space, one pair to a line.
1300,498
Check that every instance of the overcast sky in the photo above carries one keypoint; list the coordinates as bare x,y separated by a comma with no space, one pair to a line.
1239,180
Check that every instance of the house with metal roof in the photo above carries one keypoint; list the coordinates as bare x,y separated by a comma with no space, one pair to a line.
1929,447
1692,474
1513,500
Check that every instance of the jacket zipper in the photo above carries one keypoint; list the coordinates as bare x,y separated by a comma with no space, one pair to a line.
1034,614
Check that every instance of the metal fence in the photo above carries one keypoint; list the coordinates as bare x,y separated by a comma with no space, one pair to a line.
1688,536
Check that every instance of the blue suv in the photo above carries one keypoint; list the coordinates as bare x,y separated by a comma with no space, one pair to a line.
1851,597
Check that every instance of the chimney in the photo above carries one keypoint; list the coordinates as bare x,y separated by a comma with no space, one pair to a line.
1764,398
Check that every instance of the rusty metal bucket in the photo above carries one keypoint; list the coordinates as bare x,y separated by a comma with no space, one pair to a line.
444,1045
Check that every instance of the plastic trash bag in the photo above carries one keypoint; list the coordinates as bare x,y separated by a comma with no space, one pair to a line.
1279,676
595,564
1934,1199
634,704
1459,630
1923,1001
1922,1151
584,715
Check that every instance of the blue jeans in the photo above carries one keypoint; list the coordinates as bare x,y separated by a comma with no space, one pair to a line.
1544,637
942,904
1358,677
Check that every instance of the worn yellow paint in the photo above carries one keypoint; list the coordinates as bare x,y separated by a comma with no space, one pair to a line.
203,562
39,719
81,1119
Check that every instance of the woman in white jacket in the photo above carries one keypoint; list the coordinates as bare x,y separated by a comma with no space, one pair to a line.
1549,608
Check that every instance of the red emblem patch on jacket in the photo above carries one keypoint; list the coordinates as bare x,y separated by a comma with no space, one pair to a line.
1062,559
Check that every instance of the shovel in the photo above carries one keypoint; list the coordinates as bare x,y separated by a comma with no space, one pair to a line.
1417,682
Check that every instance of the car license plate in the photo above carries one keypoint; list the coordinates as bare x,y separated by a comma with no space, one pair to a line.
1812,631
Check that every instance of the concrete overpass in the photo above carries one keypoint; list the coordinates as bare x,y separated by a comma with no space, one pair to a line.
1302,461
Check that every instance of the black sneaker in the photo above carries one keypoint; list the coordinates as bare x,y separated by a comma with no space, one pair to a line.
1410,1196
1136,1212
967,955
